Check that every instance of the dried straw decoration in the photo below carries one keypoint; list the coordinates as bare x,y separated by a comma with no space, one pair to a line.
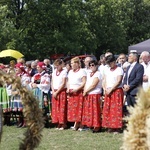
137,134
32,113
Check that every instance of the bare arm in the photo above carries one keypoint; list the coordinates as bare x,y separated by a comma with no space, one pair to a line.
55,93
119,80
104,84
81,86
62,85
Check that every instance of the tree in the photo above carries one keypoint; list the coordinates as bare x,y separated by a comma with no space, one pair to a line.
139,25
107,23
39,28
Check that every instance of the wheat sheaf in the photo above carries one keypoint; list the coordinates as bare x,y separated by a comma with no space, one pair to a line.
137,134
32,113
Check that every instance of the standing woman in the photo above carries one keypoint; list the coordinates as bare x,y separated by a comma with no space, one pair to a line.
75,85
92,93
113,103
59,98
16,102
40,83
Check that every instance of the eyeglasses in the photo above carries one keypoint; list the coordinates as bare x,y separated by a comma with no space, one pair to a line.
92,65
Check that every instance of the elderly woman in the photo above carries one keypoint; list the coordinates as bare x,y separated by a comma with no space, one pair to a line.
75,85
113,103
92,93
40,83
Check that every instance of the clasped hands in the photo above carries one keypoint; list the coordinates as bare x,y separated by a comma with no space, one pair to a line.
126,88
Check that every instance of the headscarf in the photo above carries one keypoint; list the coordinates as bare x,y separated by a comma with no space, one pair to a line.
41,65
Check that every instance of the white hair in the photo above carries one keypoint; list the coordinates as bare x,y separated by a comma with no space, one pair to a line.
145,53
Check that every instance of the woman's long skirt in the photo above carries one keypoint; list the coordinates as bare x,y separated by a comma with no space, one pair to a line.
75,107
113,110
59,108
92,111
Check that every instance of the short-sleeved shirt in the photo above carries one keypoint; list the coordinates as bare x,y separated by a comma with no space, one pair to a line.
58,78
89,81
111,76
75,78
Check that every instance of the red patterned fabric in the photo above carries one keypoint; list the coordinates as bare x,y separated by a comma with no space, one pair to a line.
92,111
75,107
37,76
113,110
59,108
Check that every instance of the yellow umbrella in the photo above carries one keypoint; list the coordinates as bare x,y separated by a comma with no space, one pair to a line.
11,53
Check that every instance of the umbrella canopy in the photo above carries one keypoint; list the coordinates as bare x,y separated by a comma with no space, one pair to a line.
11,53
140,47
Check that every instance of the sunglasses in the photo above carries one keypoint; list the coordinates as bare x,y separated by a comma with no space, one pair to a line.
92,65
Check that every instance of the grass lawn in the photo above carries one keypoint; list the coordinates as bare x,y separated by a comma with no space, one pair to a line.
63,140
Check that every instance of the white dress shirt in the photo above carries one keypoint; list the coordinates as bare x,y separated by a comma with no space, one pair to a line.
145,85
130,69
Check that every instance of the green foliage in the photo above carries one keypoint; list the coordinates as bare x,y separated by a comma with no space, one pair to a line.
10,35
107,22
44,27
139,25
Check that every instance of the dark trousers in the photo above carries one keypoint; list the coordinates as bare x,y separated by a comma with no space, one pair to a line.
131,100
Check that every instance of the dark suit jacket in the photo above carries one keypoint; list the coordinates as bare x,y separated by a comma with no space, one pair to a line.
135,78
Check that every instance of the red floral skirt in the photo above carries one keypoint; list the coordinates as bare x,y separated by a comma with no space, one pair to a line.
75,107
92,111
59,108
113,110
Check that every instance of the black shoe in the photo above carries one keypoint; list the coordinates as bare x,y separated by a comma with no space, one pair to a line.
20,125
96,131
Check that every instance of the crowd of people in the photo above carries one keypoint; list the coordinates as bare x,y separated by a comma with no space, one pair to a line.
92,97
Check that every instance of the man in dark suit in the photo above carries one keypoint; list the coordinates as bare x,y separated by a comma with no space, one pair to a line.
133,78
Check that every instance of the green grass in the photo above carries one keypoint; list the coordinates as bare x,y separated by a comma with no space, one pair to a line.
63,140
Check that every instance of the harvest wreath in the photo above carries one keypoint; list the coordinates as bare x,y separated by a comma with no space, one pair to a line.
32,113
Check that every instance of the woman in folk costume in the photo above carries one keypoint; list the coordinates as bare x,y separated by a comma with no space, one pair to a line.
59,98
113,103
16,103
40,83
92,92
75,84
5,98
5,103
